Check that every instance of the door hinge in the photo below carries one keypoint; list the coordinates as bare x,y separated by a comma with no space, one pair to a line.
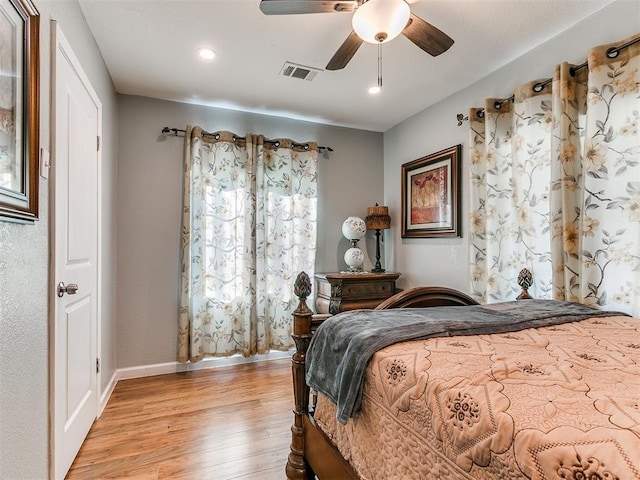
98,142
97,365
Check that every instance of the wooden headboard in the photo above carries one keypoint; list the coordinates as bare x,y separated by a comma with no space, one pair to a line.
420,297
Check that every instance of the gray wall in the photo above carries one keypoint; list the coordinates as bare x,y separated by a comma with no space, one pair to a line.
445,261
150,189
24,284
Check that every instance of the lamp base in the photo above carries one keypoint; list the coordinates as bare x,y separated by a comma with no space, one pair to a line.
378,266
354,258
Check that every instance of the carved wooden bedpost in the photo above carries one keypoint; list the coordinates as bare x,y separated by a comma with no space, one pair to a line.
297,468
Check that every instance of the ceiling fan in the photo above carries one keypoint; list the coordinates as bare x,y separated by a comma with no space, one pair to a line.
374,21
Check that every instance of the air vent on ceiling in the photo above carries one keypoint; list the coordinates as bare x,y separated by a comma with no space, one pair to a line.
299,71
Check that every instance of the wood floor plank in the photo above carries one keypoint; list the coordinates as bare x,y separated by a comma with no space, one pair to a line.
261,466
225,423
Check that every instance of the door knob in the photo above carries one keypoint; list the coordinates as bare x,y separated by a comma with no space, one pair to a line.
70,289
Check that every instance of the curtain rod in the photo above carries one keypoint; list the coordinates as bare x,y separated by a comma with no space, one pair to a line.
305,146
538,87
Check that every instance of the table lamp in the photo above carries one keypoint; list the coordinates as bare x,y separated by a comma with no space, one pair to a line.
378,219
354,229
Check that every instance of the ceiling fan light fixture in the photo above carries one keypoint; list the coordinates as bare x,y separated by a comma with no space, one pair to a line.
206,53
379,21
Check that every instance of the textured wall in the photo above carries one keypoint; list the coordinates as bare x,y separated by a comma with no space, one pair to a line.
24,347
445,261
24,284
150,189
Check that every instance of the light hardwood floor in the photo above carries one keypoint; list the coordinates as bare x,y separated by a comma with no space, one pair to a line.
225,423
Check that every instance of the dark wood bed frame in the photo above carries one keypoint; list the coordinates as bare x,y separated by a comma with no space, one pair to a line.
312,452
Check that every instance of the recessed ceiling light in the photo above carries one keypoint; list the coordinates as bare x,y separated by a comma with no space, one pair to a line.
206,53
375,90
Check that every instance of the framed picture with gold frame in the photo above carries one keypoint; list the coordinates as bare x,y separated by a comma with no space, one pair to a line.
19,110
431,195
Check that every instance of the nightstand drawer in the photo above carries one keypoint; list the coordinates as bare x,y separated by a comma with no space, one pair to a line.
337,292
368,289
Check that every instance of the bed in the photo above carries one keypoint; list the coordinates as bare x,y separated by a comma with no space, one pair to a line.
556,398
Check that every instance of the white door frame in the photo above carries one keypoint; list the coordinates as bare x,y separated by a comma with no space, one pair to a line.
60,45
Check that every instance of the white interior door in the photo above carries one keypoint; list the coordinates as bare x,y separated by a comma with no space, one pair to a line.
77,112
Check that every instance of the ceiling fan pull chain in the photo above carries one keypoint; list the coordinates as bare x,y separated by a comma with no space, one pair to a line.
380,65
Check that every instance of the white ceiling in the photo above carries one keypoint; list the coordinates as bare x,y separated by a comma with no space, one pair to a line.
149,47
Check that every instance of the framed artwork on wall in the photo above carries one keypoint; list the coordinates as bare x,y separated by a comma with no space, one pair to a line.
19,110
431,195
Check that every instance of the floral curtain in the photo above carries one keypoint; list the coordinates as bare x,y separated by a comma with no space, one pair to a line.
510,170
596,206
249,225
556,185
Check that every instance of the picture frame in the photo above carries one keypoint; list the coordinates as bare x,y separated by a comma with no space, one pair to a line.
431,195
19,110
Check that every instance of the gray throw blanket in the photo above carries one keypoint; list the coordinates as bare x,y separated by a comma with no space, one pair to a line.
343,345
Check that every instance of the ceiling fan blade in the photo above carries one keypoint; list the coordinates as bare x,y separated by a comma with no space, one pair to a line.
426,36
345,53
292,7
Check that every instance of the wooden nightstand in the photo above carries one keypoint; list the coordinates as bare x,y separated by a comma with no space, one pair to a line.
337,292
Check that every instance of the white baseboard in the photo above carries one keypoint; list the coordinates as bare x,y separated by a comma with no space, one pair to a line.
146,370
174,367
106,394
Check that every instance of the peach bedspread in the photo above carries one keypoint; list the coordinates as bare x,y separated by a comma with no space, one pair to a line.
559,402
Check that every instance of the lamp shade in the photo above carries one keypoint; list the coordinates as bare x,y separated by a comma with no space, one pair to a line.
354,228
378,21
378,218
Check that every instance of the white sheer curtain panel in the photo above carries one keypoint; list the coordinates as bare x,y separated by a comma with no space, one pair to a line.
249,226
555,185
